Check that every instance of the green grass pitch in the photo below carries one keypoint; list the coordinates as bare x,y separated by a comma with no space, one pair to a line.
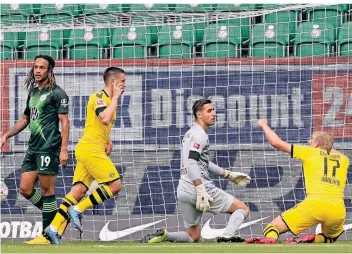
136,247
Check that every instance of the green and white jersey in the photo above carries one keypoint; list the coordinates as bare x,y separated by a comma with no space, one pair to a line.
43,107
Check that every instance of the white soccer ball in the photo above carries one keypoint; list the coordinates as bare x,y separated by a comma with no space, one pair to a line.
4,191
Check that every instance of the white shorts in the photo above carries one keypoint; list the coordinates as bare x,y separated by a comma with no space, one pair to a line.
187,198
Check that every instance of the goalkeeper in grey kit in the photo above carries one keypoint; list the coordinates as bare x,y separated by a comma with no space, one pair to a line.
196,192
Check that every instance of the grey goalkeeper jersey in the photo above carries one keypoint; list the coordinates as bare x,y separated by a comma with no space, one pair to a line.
196,140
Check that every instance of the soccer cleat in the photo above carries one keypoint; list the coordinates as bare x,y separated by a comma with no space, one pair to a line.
309,238
76,218
261,240
158,237
39,240
53,236
224,238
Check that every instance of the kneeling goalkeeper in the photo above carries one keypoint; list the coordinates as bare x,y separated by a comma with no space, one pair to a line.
196,192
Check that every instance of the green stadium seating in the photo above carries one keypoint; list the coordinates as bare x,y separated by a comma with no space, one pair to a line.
142,12
345,40
87,43
176,41
221,41
15,13
130,42
149,8
289,17
235,7
314,39
269,40
58,13
9,43
180,8
102,13
49,42
333,14
244,23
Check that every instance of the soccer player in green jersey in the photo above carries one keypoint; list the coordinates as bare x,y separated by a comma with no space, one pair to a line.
46,106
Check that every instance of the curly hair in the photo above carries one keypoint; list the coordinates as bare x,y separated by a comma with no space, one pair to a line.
30,80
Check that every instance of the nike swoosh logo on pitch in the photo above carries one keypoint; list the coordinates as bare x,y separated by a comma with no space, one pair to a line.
211,233
107,235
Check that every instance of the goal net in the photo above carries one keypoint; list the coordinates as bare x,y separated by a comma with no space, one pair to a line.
287,63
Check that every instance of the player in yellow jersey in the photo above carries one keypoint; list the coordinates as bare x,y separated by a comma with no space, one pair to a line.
325,174
92,158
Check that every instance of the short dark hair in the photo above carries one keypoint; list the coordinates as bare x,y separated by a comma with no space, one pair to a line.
198,105
112,71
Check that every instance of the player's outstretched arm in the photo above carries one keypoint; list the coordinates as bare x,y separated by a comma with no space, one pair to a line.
273,138
19,126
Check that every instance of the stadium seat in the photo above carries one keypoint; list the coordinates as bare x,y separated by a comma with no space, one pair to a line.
176,41
314,39
48,42
130,42
221,41
58,13
289,17
344,41
332,14
269,40
102,13
140,14
9,43
149,8
244,23
181,8
16,13
87,43
235,7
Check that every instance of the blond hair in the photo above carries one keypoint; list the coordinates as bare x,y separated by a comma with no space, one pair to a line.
324,139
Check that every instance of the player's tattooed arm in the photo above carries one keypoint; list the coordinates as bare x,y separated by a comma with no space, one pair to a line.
19,126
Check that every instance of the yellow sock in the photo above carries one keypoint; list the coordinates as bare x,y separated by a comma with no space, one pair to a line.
62,215
97,197
63,228
323,239
271,231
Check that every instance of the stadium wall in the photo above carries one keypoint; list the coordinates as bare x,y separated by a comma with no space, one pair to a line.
296,95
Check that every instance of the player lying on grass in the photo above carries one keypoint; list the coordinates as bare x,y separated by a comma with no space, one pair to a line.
196,192
46,107
325,174
92,158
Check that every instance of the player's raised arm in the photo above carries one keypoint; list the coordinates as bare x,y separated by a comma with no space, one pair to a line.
273,138
106,113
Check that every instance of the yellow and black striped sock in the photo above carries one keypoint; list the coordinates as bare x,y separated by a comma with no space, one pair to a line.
62,215
271,231
97,197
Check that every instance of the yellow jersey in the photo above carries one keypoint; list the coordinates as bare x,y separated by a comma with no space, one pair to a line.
96,134
325,174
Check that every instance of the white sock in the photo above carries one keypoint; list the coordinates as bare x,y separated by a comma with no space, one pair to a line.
77,209
181,237
52,228
235,221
